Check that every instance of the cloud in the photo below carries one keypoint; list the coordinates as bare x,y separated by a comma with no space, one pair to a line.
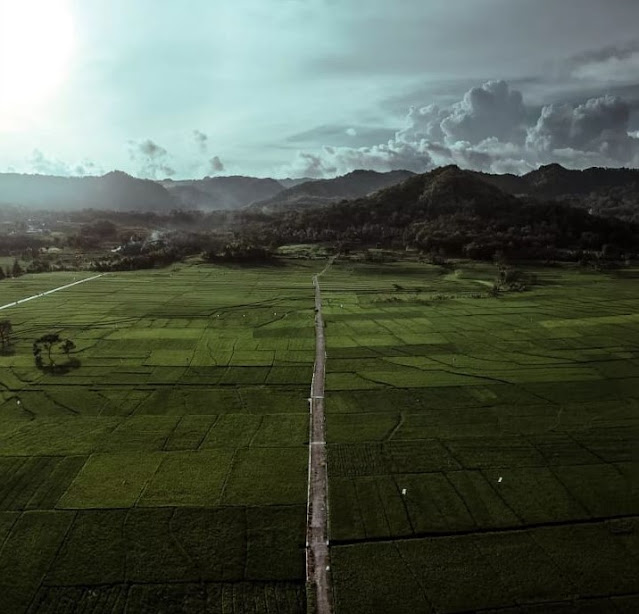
612,64
152,158
351,132
332,161
492,110
490,129
201,140
40,163
215,165
598,126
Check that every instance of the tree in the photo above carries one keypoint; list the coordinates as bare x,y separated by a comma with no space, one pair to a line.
5,333
45,343
16,270
47,346
67,346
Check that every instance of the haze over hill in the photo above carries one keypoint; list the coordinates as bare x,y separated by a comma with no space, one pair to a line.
605,191
216,193
119,191
114,191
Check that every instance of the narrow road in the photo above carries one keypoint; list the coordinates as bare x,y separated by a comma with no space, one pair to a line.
318,574
30,298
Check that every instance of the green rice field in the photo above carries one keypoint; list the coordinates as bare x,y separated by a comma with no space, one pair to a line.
168,472
483,451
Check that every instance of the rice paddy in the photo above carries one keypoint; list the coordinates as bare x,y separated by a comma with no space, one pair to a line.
482,451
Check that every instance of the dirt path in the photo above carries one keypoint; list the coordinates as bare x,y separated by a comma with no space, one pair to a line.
318,574
30,298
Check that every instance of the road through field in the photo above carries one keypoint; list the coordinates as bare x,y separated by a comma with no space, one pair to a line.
30,298
318,574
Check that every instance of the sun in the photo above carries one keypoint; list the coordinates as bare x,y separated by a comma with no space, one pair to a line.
36,44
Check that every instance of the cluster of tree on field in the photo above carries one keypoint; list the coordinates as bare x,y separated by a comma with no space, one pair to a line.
47,349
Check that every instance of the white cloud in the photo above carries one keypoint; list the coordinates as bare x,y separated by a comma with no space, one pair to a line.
598,126
487,130
492,110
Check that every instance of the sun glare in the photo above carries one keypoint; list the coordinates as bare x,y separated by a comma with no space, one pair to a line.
36,43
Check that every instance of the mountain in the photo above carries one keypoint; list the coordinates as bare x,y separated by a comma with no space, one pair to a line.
555,181
324,191
214,193
452,210
609,192
114,191
444,191
289,183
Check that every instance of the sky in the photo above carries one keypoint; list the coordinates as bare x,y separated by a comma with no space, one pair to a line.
316,88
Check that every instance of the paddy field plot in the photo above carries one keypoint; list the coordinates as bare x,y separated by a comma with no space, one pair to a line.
168,471
483,452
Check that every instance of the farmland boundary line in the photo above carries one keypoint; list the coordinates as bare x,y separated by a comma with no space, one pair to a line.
41,294
484,530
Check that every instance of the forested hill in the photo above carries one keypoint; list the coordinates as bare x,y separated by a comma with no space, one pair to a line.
553,180
604,191
115,191
453,210
325,191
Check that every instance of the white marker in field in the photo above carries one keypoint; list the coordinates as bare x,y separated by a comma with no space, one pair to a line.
403,491
500,479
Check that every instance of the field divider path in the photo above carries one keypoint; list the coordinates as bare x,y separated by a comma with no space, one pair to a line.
30,298
318,569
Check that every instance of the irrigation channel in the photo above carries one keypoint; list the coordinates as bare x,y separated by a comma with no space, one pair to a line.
318,569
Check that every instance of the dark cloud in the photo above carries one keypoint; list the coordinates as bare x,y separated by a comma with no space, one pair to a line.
613,64
215,165
201,141
618,52
151,158
491,129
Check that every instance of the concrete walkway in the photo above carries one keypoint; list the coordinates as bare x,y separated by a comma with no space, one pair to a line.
318,574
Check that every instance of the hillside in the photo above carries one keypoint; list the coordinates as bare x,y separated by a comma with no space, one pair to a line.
325,191
114,191
455,211
215,193
604,191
